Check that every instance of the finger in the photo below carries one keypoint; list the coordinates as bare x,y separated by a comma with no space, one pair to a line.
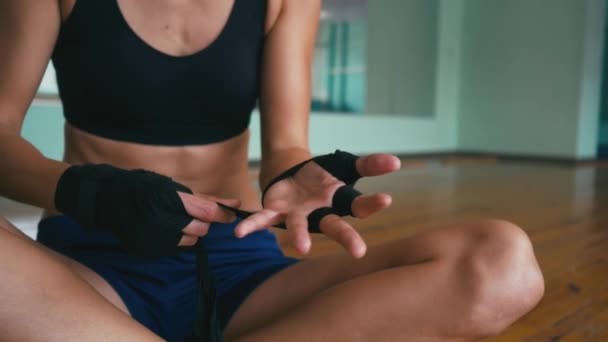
366,205
377,164
339,230
258,221
188,240
205,210
196,228
297,232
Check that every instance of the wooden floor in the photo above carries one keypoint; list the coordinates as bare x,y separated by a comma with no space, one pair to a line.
564,209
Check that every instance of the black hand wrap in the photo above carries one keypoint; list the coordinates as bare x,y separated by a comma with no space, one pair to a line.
141,208
340,164
343,166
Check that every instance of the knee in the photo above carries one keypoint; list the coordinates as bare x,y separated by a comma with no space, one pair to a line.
503,279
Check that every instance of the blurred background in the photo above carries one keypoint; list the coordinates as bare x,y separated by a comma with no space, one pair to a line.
498,108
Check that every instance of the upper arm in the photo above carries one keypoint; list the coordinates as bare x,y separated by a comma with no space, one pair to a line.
28,30
286,69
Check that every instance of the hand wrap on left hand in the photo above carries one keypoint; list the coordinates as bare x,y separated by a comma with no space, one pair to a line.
343,166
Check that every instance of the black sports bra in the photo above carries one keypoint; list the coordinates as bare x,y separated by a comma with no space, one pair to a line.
114,85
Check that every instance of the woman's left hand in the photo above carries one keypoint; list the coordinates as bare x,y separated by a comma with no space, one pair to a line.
291,200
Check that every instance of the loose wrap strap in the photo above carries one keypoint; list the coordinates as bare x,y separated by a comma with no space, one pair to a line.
207,327
340,164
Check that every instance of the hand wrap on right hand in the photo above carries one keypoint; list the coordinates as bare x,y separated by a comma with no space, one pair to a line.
140,207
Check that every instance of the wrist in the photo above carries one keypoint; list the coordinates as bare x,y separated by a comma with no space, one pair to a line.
77,190
276,162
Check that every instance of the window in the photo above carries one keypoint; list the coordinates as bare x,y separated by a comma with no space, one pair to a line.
339,67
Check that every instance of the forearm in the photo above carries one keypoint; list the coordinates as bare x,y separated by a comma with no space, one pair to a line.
277,161
26,175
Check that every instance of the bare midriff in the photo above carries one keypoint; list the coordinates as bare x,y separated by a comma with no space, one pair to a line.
219,169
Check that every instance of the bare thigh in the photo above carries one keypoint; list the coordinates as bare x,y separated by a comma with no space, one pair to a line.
49,297
88,275
287,289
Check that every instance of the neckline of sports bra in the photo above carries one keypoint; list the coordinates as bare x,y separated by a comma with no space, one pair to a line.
204,49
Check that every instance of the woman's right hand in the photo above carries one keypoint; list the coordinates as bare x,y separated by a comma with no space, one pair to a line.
204,210
150,214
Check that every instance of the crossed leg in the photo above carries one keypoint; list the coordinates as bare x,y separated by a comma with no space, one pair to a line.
462,282
459,283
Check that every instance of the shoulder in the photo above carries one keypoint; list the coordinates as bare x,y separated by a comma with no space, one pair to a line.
279,8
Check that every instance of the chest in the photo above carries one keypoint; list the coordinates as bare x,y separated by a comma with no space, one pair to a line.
176,28
101,58
173,27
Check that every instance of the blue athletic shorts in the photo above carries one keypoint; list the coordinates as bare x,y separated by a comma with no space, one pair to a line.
161,293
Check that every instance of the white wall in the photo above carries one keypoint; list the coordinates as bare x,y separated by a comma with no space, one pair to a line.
591,80
43,127
403,132
531,72
402,56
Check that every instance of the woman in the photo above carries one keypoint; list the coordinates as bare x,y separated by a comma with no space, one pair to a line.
167,87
